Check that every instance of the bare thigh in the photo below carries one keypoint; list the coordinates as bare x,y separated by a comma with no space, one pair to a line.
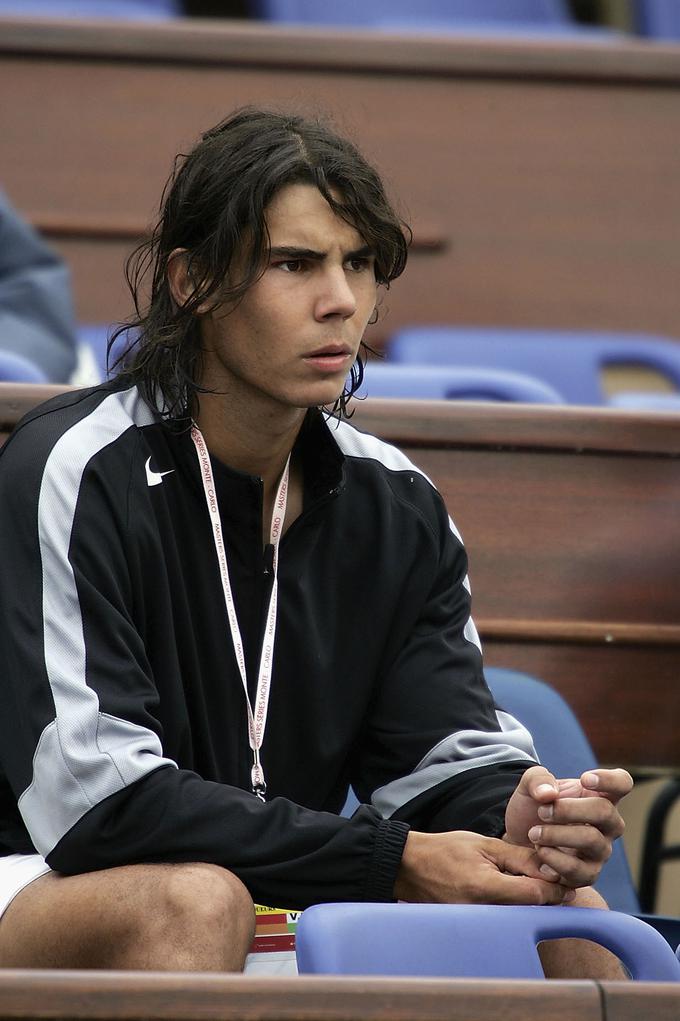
195,917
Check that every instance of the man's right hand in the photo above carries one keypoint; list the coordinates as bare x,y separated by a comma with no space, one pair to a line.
466,868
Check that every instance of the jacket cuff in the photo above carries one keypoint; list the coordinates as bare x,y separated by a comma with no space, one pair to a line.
382,872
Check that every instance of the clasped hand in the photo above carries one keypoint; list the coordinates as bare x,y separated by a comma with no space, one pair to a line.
559,834
570,823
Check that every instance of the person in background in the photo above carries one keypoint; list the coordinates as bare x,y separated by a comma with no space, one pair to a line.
36,308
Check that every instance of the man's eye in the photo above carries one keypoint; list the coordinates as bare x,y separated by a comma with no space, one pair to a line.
291,265
359,263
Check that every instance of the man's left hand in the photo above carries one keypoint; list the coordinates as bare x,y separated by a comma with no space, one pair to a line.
572,823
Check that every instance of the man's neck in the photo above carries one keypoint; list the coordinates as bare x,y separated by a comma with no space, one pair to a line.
257,443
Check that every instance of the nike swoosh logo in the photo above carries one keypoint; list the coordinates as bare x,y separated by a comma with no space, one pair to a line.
155,478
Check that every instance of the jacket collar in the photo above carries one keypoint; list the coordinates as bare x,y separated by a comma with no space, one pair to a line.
322,460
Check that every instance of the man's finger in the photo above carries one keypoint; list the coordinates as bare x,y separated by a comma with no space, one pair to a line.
539,783
588,841
568,869
571,788
522,890
598,812
517,860
613,784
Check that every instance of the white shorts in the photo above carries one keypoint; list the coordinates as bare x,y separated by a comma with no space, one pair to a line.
18,870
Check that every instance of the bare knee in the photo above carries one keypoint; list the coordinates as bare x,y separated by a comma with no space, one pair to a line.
164,917
588,897
204,915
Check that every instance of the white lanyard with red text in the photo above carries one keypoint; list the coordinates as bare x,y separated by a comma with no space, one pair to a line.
256,720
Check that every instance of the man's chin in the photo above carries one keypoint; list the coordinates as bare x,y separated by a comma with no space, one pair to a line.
322,396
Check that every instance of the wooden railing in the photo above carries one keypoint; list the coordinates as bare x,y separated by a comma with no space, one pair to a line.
124,996
119,996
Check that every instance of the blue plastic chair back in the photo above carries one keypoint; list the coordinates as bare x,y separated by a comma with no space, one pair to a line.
658,19
643,400
96,337
370,12
563,747
467,940
570,361
505,29
127,10
382,379
16,369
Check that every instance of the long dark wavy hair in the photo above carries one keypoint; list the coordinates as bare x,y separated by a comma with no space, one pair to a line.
214,207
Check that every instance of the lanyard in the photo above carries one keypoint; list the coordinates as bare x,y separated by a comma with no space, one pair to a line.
256,720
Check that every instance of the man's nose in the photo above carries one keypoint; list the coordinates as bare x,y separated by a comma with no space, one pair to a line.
335,296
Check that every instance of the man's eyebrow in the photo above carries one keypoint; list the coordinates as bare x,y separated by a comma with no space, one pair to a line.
293,252
365,252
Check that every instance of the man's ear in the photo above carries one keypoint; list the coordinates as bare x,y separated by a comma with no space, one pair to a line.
181,282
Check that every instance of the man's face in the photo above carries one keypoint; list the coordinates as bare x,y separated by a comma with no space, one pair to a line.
294,336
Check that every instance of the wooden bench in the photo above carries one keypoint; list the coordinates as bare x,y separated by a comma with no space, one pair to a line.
640,1001
570,518
542,179
132,996
122,996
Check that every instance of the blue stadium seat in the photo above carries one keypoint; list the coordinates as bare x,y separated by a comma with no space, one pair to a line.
16,369
371,12
96,337
382,379
526,18
128,10
467,940
503,29
644,400
573,362
658,19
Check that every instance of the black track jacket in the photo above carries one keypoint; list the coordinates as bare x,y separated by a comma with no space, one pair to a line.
123,733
